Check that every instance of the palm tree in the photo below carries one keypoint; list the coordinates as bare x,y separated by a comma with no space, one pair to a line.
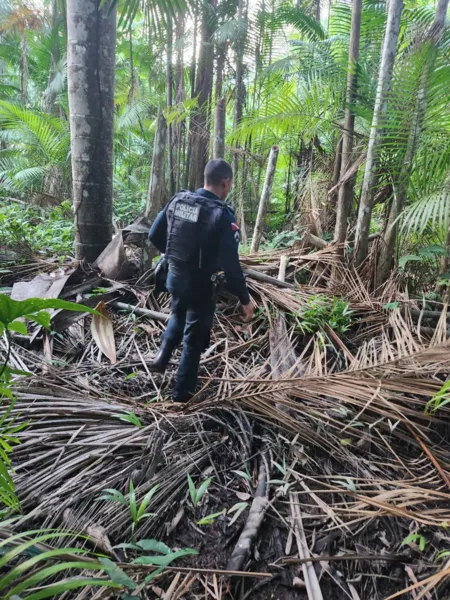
91,63
430,46
375,139
345,191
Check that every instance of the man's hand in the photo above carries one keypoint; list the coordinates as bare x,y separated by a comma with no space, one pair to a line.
248,311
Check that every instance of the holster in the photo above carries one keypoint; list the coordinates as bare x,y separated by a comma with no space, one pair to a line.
161,271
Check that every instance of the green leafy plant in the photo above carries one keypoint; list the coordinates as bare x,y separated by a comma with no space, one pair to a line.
209,519
138,512
167,556
129,417
320,311
32,568
439,400
416,538
198,493
12,315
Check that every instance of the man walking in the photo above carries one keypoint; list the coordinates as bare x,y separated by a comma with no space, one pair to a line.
198,234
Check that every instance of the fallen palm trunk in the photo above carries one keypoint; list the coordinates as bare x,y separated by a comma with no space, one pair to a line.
257,511
309,574
268,279
143,312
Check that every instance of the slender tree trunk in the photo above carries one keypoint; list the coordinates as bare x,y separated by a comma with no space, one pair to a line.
387,248
91,29
156,186
220,108
199,126
345,194
24,69
219,129
241,201
179,97
169,93
375,139
318,11
49,95
265,197
238,111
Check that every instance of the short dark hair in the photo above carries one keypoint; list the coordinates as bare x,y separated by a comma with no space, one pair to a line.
217,170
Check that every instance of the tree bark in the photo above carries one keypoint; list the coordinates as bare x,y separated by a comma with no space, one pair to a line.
220,108
375,139
241,201
179,97
265,197
156,187
346,190
387,248
91,28
238,111
219,129
24,69
49,95
169,94
199,126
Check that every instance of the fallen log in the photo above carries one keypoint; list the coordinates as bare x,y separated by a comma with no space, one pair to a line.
268,279
255,518
143,312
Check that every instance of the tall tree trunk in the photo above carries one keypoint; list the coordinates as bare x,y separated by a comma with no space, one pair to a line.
169,93
241,201
156,187
91,29
179,97
387,248
345,194
199,126
238,111
219,129
220,108
49,95
24,69
318,11
375,139
265,198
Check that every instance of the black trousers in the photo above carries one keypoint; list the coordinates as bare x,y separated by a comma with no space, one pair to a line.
191,320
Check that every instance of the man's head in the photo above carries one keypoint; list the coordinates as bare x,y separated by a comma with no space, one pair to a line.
218,177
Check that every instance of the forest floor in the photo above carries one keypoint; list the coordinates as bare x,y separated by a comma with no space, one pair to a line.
313,435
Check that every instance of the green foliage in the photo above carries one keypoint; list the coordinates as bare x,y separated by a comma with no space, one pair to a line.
138,512
129,417
198,493
8,439
285,239
320,311
30,230
439,400
12,313
32,570
416,538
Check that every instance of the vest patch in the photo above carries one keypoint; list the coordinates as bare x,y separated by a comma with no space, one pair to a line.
187,212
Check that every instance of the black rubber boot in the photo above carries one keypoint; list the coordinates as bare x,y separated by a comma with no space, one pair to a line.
176,397
161,360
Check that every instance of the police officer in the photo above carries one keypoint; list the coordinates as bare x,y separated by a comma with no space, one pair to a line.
198,234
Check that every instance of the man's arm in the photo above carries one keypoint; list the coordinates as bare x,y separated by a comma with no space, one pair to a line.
229,258
158,231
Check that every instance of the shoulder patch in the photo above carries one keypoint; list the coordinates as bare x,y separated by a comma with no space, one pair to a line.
234,227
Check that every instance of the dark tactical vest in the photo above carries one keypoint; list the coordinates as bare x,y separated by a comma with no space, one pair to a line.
193,232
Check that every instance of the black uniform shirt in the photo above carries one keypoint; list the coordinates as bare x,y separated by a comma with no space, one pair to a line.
228,259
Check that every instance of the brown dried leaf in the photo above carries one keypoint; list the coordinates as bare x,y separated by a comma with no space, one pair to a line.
243,496
103,333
